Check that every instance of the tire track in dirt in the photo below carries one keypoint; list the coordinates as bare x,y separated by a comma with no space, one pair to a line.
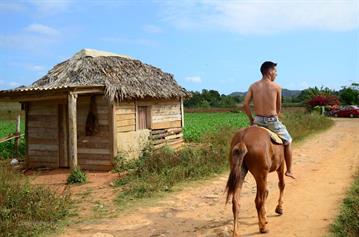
324,165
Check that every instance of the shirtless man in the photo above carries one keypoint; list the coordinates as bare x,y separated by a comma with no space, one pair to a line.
267,100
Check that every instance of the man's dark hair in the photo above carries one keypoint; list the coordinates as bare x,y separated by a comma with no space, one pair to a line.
266,66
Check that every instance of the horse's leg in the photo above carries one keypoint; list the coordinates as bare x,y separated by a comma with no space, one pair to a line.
281,185
262,193
235,209
236,204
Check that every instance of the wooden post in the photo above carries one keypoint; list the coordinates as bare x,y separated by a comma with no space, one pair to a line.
136,116
182,112
27,160
113,129
72,102
17,139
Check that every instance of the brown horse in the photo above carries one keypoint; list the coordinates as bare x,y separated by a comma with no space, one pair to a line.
252,150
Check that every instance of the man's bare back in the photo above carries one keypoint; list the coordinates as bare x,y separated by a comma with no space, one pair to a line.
266,97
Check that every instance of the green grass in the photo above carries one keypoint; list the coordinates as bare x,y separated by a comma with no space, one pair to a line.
301,125
157,172
27,210
347,223
198,124
7,148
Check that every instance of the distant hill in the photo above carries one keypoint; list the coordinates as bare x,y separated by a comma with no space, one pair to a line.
285,93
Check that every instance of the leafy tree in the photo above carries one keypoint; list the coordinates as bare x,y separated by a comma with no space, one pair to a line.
210,98
350,95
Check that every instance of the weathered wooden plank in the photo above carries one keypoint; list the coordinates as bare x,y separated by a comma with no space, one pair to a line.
165,118
174,136
125,116
42,133
93,139
165,111
174,130
43,117
39,124
158,131
126,122
94,162
83,156
42,140
126,111
42,164
126,128
43,153
96,167
45,159
94,145
159,141
157,102
43,147
94,151
170,124
159,136
125,104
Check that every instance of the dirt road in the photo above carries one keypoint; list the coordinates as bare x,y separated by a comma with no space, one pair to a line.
324,166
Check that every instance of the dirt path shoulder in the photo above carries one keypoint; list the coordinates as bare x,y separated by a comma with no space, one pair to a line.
324,165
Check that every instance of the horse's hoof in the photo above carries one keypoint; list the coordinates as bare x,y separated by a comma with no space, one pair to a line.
263,230
279,210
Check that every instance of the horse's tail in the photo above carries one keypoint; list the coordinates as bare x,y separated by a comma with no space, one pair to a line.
236,159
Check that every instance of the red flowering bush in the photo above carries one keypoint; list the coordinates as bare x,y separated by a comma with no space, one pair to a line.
323,100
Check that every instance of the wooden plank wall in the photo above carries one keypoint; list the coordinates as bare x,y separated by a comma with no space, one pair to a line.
167,124
166,114
125,115
42,125
94,152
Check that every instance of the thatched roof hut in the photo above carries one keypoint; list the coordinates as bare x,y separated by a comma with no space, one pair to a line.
121,76
96,104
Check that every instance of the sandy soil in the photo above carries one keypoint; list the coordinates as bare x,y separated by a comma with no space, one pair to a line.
324,165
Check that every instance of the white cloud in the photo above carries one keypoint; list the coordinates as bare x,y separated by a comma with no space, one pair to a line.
262,17
32,37
194,79
152,29
50,7
42,29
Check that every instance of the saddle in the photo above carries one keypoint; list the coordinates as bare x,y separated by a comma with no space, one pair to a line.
274,137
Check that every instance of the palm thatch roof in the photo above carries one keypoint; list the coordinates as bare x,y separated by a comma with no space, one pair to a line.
121,76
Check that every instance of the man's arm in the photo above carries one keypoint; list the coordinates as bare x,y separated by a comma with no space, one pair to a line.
279,100
247,108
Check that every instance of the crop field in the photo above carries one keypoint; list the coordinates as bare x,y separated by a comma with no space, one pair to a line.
7,148
198,124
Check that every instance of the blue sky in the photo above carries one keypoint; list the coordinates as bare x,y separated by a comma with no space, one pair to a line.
205,44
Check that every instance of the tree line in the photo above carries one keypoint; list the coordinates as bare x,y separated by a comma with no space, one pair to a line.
312,96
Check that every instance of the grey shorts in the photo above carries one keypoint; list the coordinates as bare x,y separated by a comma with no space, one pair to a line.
273,124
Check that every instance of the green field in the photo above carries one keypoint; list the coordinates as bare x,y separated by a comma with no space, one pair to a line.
7,148
198,124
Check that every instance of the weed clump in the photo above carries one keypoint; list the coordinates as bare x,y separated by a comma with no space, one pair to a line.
77,176
28,210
